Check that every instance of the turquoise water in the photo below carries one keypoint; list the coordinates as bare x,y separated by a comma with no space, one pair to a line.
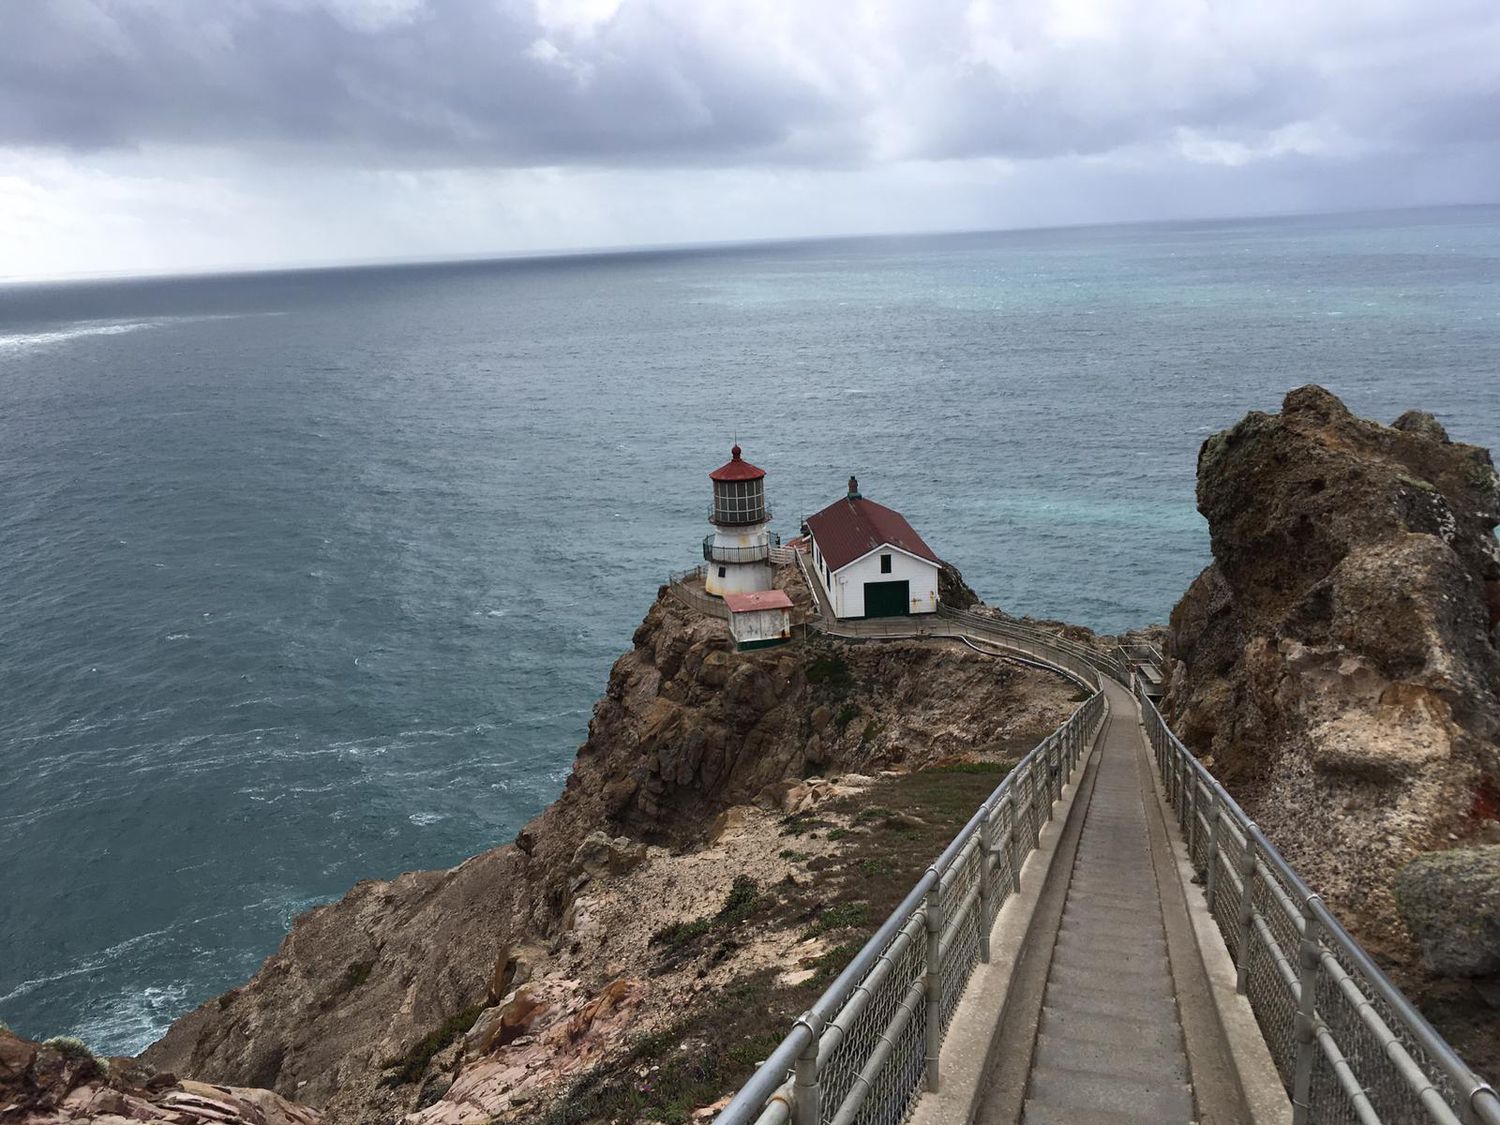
312,577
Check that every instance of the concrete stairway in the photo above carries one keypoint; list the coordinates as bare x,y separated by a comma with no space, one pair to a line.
1109,1046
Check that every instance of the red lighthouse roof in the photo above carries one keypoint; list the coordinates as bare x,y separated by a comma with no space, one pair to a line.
736,469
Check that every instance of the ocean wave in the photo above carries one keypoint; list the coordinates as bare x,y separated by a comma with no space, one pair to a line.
20,341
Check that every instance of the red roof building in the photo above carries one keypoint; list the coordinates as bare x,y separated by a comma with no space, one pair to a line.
869,561
851,528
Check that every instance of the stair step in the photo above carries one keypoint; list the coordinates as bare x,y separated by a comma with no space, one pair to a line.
1036,1112
1116,980
1142,957
1095,1028
1154,1010
1160,1099
1143,1060
1081,922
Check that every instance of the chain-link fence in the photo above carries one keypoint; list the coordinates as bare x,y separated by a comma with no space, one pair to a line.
1349,1046
869,1046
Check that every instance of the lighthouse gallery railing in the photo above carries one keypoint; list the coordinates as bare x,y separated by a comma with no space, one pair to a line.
1349,1045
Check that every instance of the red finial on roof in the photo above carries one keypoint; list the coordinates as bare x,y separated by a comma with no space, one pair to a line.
736,468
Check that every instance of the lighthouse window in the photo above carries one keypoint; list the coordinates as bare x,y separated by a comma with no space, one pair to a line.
739,501
721,572
885,564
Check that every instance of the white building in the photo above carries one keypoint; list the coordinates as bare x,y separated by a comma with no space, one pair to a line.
869,560
737,554
760,619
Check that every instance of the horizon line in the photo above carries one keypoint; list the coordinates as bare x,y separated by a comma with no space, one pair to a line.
624,250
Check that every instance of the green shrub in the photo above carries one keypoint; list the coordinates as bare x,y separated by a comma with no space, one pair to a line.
838,917
357,973
743,900
847,714
871,731
71,1046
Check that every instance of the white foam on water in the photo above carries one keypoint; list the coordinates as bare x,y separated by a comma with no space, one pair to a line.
20,341
129,1024
423,819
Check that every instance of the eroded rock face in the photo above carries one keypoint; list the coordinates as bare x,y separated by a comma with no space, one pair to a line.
1338,661
687,728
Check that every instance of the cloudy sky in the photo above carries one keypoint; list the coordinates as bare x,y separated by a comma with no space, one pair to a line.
158,135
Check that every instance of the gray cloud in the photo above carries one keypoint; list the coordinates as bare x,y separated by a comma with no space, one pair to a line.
147,135
457,82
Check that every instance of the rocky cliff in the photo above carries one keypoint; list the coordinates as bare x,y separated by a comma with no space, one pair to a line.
1337,664
523,965
60,1081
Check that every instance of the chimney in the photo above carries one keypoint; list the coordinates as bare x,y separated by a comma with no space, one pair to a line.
853,488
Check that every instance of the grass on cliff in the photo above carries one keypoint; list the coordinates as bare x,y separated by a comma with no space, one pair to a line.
896,828
410,1066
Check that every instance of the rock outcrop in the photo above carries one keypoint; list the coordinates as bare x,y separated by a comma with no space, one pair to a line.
60,1081
372,1002
1450,901
1338,661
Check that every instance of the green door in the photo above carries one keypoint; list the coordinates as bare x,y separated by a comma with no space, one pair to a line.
887,599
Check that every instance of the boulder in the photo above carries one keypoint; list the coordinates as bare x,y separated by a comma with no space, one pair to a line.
599,855
1450,901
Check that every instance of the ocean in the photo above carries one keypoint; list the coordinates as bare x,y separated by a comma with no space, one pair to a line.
309,577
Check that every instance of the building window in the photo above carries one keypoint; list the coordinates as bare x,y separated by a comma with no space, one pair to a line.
885,564
721,572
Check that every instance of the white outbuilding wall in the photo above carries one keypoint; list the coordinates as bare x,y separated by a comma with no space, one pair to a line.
846,588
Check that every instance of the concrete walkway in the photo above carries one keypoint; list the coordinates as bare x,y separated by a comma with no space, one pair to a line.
1109,1046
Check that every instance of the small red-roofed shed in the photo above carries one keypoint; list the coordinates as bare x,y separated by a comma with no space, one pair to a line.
759,619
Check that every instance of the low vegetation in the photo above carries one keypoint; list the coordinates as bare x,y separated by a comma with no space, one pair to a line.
886,836
413,1064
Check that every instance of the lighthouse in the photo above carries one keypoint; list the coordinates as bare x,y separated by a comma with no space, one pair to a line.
737,553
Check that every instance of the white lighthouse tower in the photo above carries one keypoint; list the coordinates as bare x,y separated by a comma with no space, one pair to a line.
737,554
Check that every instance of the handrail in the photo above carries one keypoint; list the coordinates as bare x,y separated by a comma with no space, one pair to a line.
884,1016
1347,1041
1348,1044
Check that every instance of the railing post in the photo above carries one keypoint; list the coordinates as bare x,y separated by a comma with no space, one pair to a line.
807,1093
1011,848
1191,803
1211,880
1307,1046
985,916
1054,776
1247,911
932,983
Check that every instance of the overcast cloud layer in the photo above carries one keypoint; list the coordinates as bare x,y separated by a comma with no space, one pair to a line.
142,135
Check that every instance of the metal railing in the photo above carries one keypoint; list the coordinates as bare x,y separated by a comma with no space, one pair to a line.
1349,1046
1111,662
681,586
870,1044
760,552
